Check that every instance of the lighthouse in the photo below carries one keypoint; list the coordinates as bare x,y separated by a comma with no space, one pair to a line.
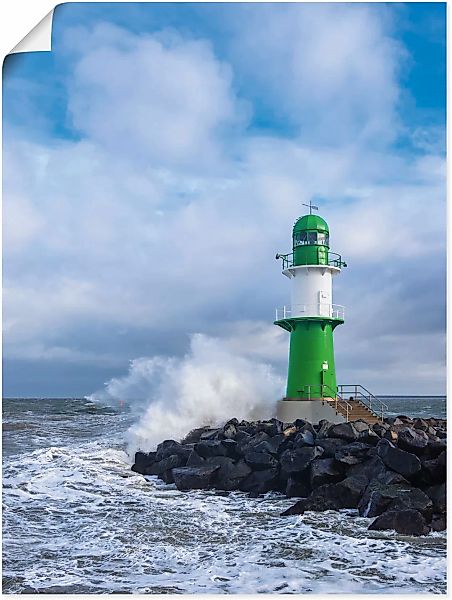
312,391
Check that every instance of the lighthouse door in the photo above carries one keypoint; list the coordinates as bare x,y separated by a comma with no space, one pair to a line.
324,303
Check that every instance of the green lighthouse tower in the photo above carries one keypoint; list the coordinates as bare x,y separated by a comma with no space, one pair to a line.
310,321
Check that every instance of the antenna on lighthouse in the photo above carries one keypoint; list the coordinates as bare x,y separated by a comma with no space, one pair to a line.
311,207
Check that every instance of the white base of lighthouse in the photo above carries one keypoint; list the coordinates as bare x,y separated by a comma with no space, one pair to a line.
310,410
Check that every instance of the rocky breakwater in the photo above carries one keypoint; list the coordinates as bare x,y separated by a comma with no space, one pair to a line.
394,471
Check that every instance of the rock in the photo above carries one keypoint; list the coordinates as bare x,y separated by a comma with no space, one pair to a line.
330,445
436,446
167,476
303,425
344,431
439,522
391,435
323,428
194,478
194,460
232,448
260,460
296,487
369,437
377,497
143,460
231,474
194,435
230,430
166,464
437,494
434,470
350,490
209,448
420,424
297,460
406,522
269,446
210,434
260,482
412,441
413,502
324,470
304,438
321,499
165,449
371,468
352,454
380,428
389,478
398,460
271,428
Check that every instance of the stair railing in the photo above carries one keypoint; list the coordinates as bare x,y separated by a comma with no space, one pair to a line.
361,394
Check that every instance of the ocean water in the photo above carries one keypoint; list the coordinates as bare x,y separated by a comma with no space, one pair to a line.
77,520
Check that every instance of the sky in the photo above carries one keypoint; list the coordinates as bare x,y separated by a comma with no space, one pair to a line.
156,159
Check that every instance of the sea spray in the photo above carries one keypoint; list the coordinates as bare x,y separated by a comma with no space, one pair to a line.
207,386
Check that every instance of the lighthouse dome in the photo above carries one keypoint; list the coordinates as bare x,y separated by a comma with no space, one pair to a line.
311,223
310,230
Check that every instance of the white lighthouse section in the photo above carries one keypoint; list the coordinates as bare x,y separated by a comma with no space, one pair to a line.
312,291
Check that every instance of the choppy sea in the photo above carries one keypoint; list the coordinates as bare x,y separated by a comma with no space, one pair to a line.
77,520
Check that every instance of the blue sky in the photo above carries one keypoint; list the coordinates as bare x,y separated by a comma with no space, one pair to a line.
157,157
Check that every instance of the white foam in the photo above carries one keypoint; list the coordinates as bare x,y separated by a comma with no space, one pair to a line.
207,386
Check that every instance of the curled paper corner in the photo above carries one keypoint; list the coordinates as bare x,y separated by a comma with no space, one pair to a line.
39,39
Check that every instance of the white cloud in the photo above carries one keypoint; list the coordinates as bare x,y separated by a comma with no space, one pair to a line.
160,219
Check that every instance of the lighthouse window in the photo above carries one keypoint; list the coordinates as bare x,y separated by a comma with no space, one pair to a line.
312,237
322,239
300,238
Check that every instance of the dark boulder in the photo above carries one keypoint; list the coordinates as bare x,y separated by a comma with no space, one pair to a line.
406,522
297,487
412,440
321,499
303,425
194,435
398,460
231,474
260,482
166,464
325,470
167,476
209,448
377,497
437,494
435,447
260,461
420,424
434,470
368,436
211,434
439,522
330,445
323,428
165,449
232,448
304,438
194,460
352,454
350,490
194,478
344,431
143,460
372,468
297,460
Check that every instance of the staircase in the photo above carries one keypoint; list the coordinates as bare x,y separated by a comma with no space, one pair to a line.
361,404
359,411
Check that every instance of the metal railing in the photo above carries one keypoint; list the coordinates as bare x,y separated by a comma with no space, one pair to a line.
326,393
320,309
332,259
361,394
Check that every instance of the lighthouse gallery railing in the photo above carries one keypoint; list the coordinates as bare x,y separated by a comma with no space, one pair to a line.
333,311
334,260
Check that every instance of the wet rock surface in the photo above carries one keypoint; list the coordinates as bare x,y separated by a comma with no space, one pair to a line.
394,471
